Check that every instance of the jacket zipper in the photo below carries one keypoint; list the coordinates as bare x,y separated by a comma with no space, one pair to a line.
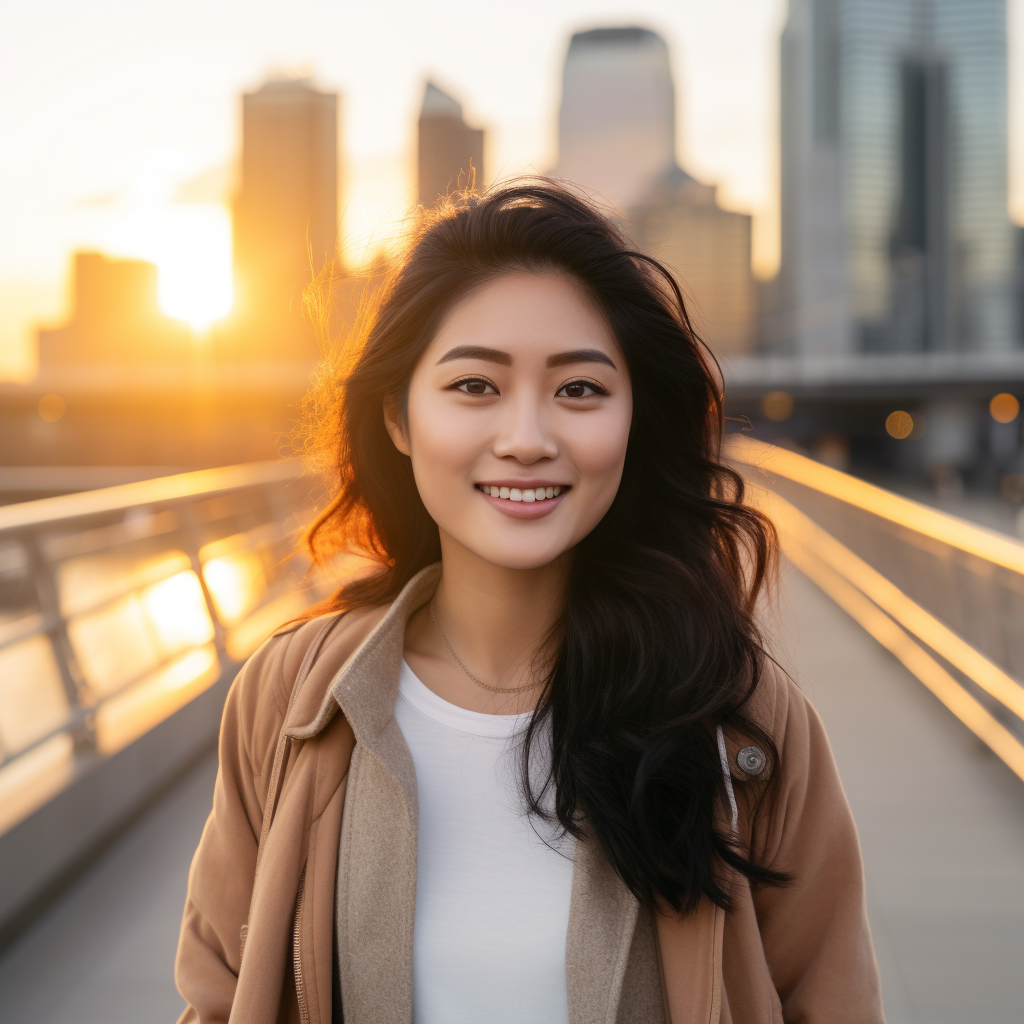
300,988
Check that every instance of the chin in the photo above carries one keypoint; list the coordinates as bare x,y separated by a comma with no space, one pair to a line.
524,555
520,560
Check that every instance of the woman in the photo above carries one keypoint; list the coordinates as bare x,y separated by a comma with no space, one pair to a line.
536,765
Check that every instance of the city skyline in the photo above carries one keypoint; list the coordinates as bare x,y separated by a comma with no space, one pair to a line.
99,163
106,162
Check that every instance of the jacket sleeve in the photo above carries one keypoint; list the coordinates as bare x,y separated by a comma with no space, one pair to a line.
221,878
814,930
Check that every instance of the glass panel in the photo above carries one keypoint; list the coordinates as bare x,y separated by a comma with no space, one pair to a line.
89,580
176,609
124,640
114,645
237,582
32,697
124,718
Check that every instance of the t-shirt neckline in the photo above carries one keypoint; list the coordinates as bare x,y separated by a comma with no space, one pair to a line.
415,692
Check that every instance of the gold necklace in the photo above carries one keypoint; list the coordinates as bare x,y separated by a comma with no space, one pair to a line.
479,682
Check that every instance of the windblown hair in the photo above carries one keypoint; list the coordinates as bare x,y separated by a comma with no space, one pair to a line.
658,643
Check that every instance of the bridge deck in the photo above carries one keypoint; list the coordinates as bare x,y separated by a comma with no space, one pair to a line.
941,820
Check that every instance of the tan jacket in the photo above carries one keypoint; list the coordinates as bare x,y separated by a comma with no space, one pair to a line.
314,815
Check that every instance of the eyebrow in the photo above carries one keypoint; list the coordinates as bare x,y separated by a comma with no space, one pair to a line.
493,355
580,355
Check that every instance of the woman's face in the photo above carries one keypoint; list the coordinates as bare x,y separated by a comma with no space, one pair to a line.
518,418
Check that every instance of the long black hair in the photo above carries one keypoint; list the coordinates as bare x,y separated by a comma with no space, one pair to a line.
658,643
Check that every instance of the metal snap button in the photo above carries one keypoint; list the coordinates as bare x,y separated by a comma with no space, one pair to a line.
751,760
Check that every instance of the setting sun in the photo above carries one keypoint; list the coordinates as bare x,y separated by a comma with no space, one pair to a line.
191,247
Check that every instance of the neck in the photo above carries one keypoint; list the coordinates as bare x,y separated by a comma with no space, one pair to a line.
496,621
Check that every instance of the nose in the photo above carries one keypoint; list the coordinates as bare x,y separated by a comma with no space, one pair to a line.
524,434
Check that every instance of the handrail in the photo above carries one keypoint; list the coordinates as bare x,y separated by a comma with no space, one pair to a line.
180,486
974,687
941,526
195,618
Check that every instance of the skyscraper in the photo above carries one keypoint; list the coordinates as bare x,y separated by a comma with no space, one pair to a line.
895,232
451,154
285,216
617,123
617,136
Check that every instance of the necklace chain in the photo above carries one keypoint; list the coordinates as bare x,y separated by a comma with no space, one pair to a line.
479,682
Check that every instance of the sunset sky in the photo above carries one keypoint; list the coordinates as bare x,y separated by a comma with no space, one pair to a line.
120,120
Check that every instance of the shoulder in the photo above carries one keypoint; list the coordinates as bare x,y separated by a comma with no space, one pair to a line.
780,708
808,799
308,653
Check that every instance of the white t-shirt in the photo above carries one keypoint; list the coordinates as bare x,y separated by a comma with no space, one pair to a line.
492,898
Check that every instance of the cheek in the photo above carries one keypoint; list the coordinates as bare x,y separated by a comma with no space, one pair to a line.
599,451
442,443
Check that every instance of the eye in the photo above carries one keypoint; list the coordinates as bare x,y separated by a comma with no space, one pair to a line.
580,389
474,386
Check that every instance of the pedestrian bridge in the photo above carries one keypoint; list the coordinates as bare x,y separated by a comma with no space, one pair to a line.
124,613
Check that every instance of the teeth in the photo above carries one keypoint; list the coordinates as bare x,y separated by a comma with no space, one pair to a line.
527,494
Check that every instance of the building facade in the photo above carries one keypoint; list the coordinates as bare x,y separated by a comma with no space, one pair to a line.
617,122
285,215
708,248
114,318
895,230
450,154
617,138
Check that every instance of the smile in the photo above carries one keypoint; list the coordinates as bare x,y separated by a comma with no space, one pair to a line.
527,494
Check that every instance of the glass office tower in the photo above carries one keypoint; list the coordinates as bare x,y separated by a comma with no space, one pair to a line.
895,232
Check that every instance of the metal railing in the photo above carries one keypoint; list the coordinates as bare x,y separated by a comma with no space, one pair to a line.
946,597
121,605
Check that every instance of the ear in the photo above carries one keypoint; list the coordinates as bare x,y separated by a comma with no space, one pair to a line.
397,428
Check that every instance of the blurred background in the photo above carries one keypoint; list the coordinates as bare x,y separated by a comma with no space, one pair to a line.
838,186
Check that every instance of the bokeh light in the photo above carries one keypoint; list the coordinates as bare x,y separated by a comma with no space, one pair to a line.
777,406
1004,408
899,424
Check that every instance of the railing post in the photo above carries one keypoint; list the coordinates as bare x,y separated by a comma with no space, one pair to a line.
190,531
80,698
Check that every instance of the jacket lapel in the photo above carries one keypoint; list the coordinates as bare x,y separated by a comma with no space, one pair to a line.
602,920
376,884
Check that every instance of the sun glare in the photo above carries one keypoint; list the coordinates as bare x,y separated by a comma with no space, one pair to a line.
191,247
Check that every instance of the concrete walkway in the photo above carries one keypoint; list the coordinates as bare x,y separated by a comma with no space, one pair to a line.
104,952
941,820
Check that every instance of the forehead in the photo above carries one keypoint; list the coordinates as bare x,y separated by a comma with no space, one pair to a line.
527,313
